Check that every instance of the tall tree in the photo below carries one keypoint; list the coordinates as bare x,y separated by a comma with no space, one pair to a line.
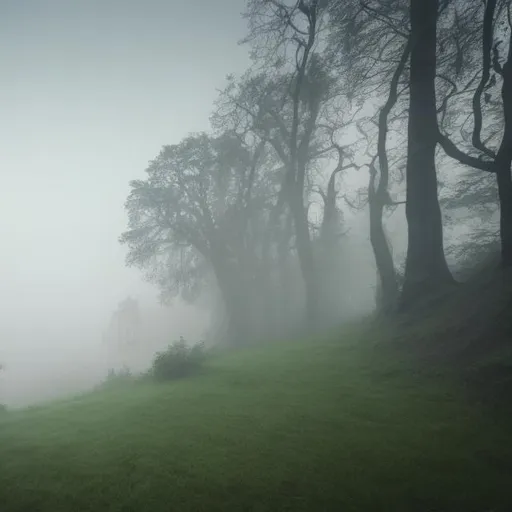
426,268
370,45
378,195
198,211
296,24
493,21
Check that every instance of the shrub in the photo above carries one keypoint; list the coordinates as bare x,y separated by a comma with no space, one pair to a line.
178,360
3,409
119,377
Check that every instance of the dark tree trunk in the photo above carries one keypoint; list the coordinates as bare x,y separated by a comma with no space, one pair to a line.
505,197
388,286
379,197
503,163
426,268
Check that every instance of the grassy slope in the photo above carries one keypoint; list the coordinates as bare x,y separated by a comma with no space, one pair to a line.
466,332
328,427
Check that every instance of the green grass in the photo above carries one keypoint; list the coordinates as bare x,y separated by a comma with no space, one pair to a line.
297,427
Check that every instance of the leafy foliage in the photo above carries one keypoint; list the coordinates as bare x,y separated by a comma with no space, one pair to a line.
178,360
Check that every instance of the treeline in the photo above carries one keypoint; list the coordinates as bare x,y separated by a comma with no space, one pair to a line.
391,87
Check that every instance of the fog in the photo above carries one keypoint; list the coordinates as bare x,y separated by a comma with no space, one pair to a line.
90,92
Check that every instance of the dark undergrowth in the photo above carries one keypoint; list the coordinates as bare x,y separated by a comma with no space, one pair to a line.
465,332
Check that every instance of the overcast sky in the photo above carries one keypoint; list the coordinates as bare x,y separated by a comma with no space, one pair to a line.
90,91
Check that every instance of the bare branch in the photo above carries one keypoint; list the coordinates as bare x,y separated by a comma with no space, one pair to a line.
454,152
487,38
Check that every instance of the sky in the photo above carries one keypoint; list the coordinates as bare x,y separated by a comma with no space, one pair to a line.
90,91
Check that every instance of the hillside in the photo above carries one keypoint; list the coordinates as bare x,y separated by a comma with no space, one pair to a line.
332,425
465,333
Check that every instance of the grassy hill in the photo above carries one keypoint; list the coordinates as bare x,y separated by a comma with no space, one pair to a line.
335,425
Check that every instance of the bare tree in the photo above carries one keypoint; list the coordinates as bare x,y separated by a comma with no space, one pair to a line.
277,25
426,266
494,21
379,198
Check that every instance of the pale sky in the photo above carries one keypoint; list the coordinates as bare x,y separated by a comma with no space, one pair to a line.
90,91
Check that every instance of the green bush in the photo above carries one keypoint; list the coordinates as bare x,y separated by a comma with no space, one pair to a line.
178,360
119,377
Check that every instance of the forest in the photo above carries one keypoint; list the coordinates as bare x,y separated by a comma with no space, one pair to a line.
392,91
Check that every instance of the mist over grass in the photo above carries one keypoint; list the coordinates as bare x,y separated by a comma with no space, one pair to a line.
325,426
54,357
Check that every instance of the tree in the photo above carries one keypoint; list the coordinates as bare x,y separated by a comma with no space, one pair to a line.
296,25
496,21
426,268
197,212
378,195
370,44
369,37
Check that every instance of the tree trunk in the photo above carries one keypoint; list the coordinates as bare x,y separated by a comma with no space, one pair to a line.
283,263
379,196
238,329
388,286
299,148
505,198
426,268
236,299
503,163
306,257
